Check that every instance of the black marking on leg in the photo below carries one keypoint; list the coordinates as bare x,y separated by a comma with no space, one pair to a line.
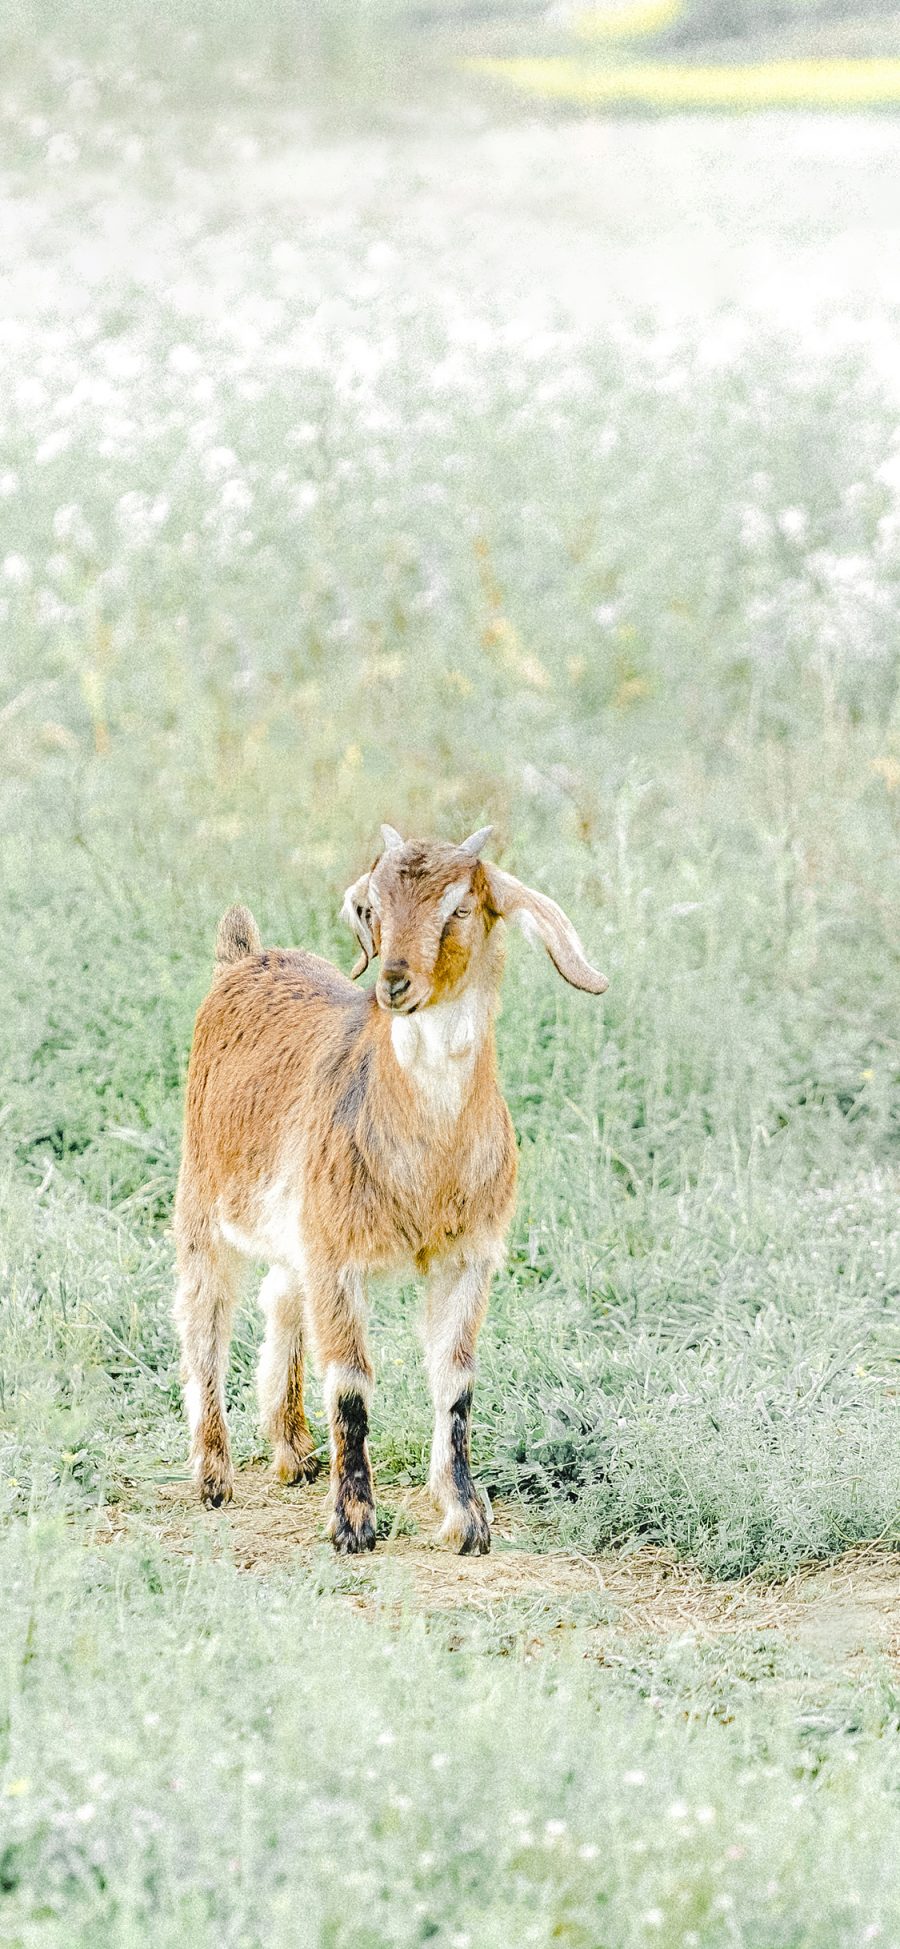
472,1531
353,1522
460,1417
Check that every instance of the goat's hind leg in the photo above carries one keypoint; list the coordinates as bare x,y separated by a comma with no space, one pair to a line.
280,1378
204,1310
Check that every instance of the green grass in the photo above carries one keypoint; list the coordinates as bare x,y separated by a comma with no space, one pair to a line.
408,1805
576,615
182,1758
404,1803
317,510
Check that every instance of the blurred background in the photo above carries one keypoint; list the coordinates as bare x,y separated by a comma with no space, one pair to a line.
454,414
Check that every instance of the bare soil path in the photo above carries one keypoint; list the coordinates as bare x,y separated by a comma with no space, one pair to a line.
845,1611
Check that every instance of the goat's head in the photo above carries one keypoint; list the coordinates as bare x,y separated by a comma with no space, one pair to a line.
429,909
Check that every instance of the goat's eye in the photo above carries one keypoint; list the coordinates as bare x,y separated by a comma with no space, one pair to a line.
462,913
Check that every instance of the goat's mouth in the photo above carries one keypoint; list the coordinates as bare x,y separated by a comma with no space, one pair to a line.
401,1007
397,998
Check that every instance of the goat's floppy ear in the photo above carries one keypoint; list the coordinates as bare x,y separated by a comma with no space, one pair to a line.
542,920
357,912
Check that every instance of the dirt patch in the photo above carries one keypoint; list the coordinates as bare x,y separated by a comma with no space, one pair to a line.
841,1611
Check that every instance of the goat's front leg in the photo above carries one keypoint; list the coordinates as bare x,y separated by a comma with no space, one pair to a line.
337,1313
457,1303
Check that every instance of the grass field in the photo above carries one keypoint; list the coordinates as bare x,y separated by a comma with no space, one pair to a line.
445,471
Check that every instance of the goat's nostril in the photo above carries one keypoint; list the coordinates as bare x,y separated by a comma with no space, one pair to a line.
396,982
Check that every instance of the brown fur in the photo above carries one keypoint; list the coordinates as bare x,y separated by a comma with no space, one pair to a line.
284,1040
314,1139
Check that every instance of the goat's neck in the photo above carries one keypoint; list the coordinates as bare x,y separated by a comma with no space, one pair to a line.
438,1047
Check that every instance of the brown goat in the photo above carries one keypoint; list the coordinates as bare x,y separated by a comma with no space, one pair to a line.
332,1131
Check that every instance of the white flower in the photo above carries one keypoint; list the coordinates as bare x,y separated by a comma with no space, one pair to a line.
49,610
219,460
381,256
185,358
755,528
889,472
16,570
30,393
66,520
55,443
62,148
236,494
794,523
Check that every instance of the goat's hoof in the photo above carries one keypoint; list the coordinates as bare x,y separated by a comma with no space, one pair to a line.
294,1464
352,1528
466,1530
215,1480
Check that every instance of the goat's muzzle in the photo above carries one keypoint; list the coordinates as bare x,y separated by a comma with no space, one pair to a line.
396,990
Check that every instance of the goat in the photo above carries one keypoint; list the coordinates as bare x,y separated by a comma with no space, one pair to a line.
331,1131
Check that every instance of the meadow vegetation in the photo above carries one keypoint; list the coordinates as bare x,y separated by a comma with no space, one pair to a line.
339,484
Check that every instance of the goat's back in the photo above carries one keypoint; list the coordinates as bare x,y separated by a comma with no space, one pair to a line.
271,1031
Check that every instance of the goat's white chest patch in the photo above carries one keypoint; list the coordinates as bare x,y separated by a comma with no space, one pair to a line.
436,1047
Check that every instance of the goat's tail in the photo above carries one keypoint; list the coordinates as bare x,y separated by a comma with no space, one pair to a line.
237,936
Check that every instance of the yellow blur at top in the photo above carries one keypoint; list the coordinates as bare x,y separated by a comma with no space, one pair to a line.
674,85
629,22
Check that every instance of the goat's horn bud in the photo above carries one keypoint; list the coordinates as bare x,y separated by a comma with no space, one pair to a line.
391,837
477,842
